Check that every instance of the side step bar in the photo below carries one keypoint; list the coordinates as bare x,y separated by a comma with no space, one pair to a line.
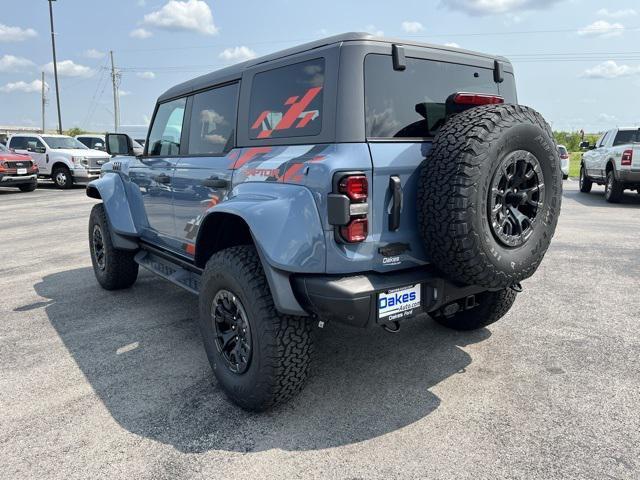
173,272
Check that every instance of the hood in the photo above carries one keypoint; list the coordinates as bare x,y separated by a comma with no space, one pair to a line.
79,152
14,157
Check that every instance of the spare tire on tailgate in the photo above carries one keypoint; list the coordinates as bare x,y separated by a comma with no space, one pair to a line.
489,195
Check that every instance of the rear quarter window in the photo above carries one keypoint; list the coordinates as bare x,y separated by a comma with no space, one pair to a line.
626,136
410,103
287,101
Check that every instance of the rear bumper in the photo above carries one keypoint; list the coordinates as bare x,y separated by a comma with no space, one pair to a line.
629,176
353,299
9,180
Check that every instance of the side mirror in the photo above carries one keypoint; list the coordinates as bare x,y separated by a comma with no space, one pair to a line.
584,145
40,150
592,147
119,144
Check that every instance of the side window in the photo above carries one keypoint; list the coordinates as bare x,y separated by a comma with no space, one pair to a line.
33,143
18,143
606,138
626,136
86,141
287,101
213,121
164,139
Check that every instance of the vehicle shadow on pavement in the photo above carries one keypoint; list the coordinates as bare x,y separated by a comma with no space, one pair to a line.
595,198
141,351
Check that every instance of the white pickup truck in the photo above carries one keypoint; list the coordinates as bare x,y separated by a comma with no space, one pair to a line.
614,161
63,159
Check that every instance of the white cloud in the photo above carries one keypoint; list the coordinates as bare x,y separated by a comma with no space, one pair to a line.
15,34
11,63
190,15
412,27
67,68
23,87
606,118
124,93
146,75
492,7
625,12
374,31
140,33
610,69
602,28
93,53
237,54
452,45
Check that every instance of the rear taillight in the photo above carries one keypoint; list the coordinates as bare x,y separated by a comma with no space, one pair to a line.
356,231
564,156
477,99
355,187
627,157
349,208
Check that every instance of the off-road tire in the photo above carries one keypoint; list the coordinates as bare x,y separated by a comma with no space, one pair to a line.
63,181
454,187
28,187
613,189
120,270
492,306
585,182
281,345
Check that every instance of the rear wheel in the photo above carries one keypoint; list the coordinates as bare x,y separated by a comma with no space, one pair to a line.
114,269
28,187
491,307
259,356
585,183
61,176
613,188
489,195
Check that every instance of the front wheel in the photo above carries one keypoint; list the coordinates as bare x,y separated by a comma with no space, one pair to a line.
259,356
585,183
28,187
61,176
613,188
491,307
114,269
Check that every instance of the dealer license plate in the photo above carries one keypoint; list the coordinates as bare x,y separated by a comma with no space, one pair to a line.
399,303
22,171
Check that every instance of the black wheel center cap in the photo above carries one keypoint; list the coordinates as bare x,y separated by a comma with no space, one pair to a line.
515,198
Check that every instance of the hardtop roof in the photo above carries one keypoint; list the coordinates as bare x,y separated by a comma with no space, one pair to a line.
234,72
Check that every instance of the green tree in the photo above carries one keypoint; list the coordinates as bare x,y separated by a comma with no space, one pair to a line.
72,132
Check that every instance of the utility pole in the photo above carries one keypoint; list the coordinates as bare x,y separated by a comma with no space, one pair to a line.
115,80
44,101
55,65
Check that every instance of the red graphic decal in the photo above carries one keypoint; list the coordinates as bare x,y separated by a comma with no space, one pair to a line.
265,133
297,108
306,119
318,158
260,119
291,171
248,155
291,100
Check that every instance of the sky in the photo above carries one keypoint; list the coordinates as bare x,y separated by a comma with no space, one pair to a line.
576,61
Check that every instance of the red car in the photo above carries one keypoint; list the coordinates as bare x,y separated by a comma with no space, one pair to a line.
17,170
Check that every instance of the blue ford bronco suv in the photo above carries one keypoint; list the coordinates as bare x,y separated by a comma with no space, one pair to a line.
353,179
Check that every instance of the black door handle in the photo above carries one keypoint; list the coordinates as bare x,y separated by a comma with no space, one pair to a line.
396,202
162,178
215,182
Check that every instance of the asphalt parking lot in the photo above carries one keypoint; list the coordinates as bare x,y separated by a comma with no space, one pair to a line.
97,384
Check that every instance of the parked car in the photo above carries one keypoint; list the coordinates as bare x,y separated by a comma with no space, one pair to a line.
97,142
287,196
17,170
564,161
613,161
63,159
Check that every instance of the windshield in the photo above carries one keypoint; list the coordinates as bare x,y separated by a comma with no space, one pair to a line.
64,142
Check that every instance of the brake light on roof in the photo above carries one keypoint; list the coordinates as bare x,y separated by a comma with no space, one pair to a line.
477,99
627,157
